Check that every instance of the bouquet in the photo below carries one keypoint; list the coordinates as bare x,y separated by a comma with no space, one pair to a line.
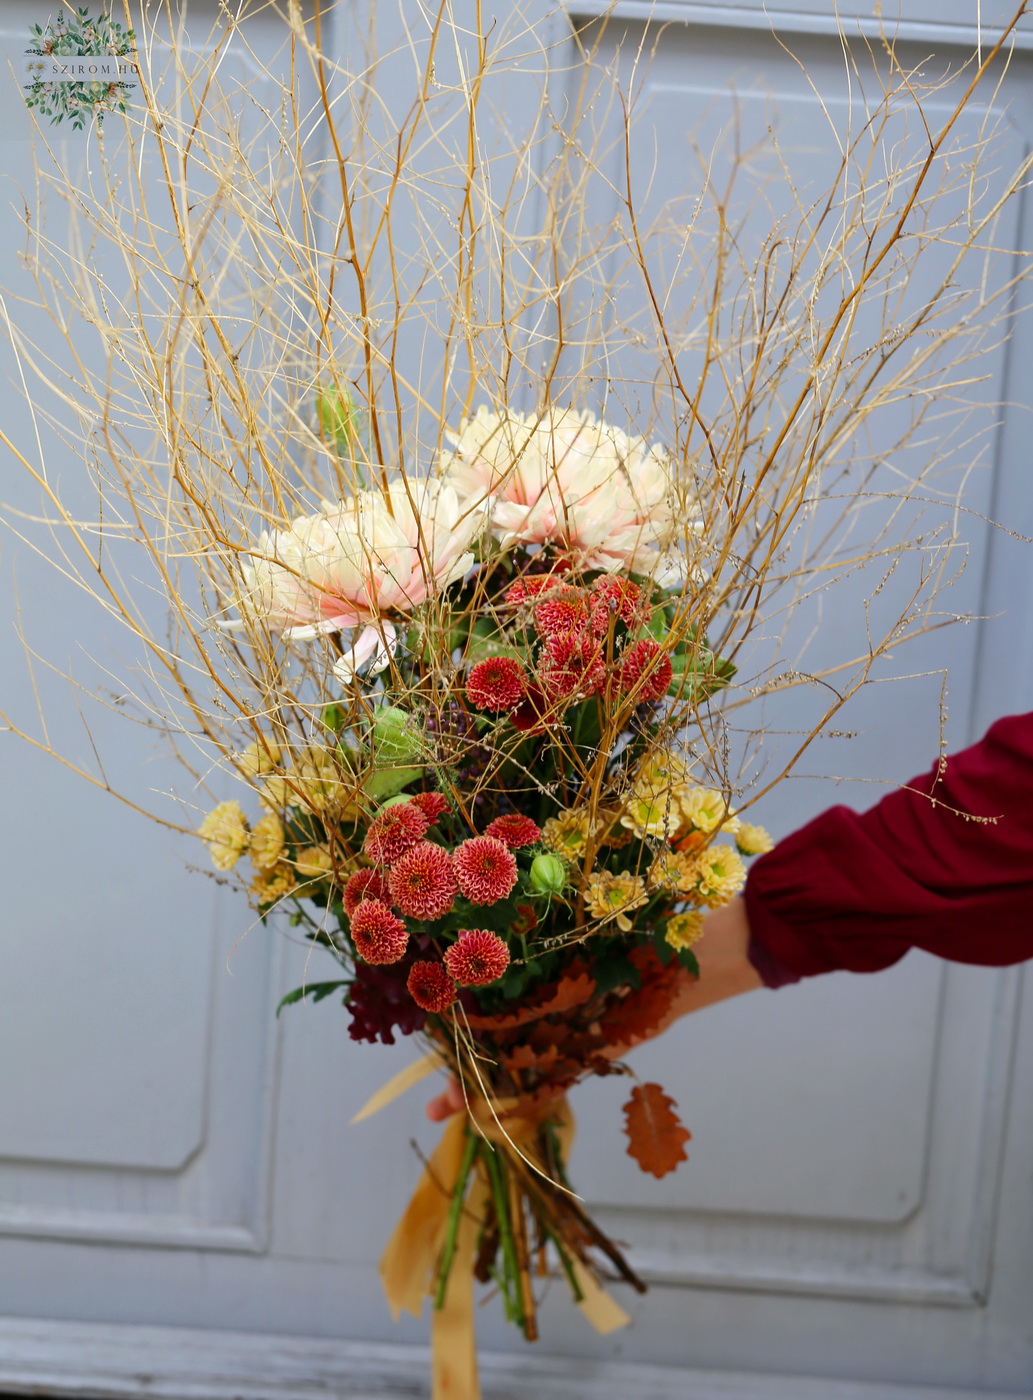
493,825
473,620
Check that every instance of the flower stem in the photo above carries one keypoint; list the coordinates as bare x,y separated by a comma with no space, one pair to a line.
511,1267
454,1214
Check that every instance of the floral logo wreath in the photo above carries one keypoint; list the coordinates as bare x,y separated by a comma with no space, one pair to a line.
78,67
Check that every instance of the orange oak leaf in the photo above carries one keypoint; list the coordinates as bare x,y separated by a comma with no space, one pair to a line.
656,1137
561,996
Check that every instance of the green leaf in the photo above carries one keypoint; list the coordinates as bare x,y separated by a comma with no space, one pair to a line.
485,641
388,782
688,959
614,970
318,991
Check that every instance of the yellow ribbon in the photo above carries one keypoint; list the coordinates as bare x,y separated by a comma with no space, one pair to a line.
410,1261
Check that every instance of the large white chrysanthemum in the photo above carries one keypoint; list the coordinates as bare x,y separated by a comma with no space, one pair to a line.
564,477
375,554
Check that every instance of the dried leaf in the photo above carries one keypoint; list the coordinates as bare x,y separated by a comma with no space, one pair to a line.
561,996
656,1136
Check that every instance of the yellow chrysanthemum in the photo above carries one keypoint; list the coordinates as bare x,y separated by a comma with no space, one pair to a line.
266,846
259,758
314,863
674,870
753,840
225,830
721,875
683,930
657,815
270,885
612,897
567,834
658,772
706,810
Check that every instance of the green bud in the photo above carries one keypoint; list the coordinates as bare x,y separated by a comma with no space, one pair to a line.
338,415
394,737
548,874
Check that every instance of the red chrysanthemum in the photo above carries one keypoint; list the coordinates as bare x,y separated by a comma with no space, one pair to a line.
379,936
422,882
572,665
431,804
616,597
513,831
364,884
476,958
430,986
529,587
534,712
485,868
393,831
496,684
565,609
646,670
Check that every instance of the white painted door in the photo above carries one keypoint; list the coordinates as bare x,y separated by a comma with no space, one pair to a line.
858,1201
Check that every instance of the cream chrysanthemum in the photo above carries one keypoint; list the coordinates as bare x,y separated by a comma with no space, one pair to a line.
373,554
564,477
683,930
314,863
753,840
567,834
611,897
225,830
721,875
270,885
266,846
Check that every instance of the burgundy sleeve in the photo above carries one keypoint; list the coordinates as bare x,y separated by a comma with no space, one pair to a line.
855,892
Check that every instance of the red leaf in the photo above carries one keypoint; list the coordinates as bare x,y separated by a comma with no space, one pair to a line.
656,1136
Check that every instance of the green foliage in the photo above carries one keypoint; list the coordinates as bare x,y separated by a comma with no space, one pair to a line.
318,991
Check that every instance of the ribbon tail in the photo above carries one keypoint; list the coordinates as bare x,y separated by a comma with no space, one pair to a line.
408,1262
398,1084
453,1342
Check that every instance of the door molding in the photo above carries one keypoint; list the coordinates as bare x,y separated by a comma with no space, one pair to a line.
101,1362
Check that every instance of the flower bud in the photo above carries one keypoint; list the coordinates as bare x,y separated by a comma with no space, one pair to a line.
548,874
337,415
395,738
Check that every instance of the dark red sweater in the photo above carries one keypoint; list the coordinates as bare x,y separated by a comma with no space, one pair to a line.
916,871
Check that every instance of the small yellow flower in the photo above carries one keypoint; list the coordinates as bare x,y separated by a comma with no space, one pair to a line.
266,842
270,885
683,930
674,870
278,794
753,840
656,815
259,758
567,834
611,897
707,810
314,863
721,875
225,831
